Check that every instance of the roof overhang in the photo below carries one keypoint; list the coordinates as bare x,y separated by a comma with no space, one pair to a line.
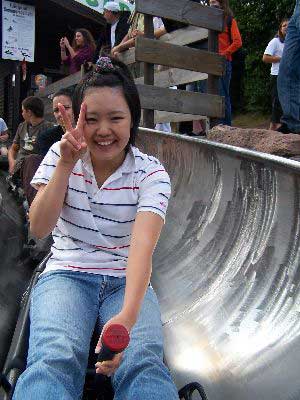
81,9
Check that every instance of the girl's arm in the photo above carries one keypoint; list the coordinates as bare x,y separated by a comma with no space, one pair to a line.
236,39
271,59
144,236
47,205
70,48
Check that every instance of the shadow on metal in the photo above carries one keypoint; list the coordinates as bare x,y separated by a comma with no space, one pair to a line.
227,269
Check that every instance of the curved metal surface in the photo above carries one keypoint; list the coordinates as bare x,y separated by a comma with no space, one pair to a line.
227,269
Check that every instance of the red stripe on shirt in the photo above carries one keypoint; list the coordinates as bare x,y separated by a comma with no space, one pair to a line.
152,173
92,268
87,181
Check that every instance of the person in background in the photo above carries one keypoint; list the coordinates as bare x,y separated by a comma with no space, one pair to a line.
272,55
27,132
229,42
136,28
82,50
4,136
116,29
288,82
47,138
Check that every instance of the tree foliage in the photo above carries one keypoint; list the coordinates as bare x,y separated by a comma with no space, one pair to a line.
258,21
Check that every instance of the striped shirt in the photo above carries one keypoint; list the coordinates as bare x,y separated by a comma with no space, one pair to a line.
93,231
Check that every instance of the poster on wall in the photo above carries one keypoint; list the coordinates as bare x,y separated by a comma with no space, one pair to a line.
97,5
18,31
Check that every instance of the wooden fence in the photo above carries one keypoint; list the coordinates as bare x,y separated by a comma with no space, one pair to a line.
182,64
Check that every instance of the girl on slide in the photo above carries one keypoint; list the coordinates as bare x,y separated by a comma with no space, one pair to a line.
105,203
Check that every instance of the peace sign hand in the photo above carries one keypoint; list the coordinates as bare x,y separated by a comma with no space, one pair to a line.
72,144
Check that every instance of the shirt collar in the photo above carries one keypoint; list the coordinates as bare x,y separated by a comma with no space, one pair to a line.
127,166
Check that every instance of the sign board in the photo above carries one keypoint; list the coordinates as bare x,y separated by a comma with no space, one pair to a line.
18,31
97,5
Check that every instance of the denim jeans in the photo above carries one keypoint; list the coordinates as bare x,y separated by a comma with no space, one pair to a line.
224,90
288,82
65,306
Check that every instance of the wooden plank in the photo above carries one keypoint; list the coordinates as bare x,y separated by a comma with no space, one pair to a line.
174,76
149,71
164,116
213,81
128,56
61,84
180,101
172,55
186,11
180,37
183,36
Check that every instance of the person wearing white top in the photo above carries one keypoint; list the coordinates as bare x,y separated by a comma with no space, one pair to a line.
105,203
4,136
272,55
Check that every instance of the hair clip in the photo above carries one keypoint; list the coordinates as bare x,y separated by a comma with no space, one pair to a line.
104,64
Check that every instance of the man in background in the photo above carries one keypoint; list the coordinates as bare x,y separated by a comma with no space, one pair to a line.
27,132
116,28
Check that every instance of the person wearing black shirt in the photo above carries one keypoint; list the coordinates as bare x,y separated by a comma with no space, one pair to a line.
47,138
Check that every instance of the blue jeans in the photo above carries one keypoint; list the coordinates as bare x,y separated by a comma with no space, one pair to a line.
288,82
224,90
65,306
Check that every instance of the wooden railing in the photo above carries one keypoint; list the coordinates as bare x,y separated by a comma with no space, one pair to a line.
184,64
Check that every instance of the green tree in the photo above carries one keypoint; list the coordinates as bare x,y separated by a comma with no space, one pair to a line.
258,21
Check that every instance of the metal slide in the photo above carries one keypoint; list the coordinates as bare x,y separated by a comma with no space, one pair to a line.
226,269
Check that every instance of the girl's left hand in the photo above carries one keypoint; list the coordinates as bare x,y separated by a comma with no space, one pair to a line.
109,367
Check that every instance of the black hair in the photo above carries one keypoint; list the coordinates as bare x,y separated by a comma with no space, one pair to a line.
64,92
117,75
35,105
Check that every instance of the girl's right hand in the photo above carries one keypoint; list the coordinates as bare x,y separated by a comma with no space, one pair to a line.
62,43
72,144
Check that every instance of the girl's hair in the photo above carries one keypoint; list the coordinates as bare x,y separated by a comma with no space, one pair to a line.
226,8
111,73
64,92
87,37
280,34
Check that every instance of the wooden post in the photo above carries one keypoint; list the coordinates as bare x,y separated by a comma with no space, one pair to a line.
213,81
16,86
148,71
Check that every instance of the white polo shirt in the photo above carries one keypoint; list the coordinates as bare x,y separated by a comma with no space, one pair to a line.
93,231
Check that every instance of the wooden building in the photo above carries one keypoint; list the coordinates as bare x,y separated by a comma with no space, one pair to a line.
53,19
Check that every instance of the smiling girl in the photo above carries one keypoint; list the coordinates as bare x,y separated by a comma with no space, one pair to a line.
104,202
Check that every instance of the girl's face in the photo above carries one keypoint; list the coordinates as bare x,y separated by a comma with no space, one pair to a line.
108,124
284,27
214,3
79,39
